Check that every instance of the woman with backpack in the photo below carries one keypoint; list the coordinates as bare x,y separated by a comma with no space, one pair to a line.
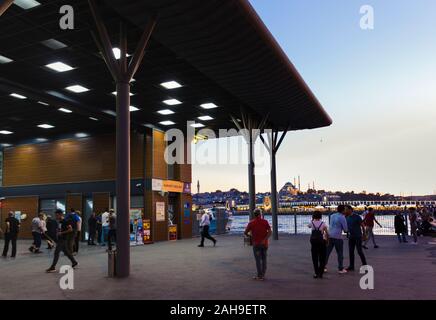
318,241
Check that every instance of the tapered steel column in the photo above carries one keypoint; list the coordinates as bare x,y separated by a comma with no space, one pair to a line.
274,214
251,176
123,179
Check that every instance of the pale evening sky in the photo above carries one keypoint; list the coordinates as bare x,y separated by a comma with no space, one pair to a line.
378,86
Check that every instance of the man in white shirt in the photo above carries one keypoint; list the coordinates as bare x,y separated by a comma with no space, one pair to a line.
105,226
36,233
204,224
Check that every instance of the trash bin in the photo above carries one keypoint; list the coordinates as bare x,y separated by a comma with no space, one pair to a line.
112,260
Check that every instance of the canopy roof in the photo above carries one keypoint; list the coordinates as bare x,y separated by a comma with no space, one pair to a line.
219,51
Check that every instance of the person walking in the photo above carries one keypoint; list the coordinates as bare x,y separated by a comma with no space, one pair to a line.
105,226
11,234
44,236
356,230
112,233
52,227
205,224
318,241
78,234
400,227
71,237
62,245
92,229
338,224
368,222
259,230
36,233
99,229
413,220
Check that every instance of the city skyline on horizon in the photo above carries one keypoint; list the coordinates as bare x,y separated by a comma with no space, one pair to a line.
378,87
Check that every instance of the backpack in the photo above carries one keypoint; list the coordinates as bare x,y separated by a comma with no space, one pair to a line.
316,235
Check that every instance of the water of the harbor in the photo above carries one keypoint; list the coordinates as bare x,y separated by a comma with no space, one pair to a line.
287,224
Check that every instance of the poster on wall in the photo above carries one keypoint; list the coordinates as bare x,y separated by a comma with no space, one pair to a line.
136,231
160,211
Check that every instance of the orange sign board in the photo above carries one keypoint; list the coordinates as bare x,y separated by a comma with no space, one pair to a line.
172,186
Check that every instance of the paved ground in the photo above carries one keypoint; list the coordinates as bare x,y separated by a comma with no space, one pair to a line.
180,270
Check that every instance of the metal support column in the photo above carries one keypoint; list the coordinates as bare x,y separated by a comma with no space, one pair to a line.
122,73
250,130
273,145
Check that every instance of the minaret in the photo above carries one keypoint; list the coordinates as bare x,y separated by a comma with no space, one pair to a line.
299,183
198,186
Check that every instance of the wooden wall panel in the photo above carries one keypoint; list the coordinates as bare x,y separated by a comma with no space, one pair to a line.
63,161
27,205
184,229
74,200
160,168
160,228
100,202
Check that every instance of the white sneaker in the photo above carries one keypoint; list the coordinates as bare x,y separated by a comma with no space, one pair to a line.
343,271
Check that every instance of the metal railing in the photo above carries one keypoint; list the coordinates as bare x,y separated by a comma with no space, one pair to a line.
297,223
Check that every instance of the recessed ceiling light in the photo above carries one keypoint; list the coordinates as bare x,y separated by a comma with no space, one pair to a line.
45,126
26,4
59,66
54,44
117,53
205,118
18,96
148,125
5,132
110,112
41,140
171,85
43,103
166,123
77,88
4,59
65,110
172,102
5,145
165,112
93,119
209,106
133,109
81,135
115,93
197,125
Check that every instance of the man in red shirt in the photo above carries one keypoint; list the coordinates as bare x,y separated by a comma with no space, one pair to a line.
260,231
368,221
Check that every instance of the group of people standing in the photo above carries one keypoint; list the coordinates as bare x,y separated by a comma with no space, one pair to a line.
63,232
324,238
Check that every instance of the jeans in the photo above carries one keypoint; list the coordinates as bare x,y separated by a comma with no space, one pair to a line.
370,234
36,239
205,234
91,237
62,246
12,238
111,236
356,243
77,241
414,231
260,253
319,255
401,237
338,244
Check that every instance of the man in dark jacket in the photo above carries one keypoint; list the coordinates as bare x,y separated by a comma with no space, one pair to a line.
92,228
400,227
11,233
52,227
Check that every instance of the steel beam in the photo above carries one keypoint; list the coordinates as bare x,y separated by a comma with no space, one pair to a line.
5,5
